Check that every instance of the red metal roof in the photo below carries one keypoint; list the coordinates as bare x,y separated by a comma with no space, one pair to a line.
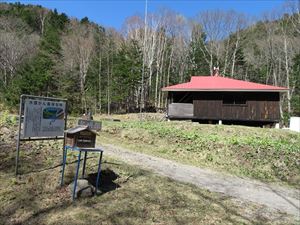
217,83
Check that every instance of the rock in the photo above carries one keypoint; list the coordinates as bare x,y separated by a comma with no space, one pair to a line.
4,130
83,188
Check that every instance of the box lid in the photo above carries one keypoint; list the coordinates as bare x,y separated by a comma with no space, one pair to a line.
79,128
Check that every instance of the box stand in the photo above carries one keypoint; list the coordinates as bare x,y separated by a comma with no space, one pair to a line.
80,151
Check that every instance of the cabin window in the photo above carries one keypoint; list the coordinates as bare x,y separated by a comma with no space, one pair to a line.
234,101
182,97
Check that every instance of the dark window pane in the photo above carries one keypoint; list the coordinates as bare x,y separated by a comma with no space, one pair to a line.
240,102
228,101
234,100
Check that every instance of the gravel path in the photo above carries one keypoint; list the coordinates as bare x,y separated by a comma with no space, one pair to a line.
275,197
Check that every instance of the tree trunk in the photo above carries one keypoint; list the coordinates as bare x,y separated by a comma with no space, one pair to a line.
99,77
211,62
5,78
169,67
234,55
108,86
226,57
287,70
156,86
82,94
142,102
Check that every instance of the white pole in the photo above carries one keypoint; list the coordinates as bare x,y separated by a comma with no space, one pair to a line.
144,48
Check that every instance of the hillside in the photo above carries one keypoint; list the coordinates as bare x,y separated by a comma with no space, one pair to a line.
47,53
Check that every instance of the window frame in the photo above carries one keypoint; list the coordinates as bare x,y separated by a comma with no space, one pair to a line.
232,101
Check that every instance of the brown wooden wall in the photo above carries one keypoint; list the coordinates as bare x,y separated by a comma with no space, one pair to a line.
256,106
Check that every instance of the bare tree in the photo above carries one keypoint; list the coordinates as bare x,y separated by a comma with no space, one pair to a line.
101,46
277,51
292,7
213,25
113,44
14,50
290,49
135,29
78,47
42,12
238,24
14,25
217,26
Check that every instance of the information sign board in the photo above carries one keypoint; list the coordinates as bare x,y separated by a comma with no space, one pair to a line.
43,118
40,118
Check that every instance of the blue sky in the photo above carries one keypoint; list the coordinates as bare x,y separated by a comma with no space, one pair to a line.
113,13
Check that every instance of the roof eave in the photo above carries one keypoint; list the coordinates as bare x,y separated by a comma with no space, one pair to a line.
224,90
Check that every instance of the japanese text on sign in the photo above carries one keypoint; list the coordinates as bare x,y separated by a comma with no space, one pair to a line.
44,118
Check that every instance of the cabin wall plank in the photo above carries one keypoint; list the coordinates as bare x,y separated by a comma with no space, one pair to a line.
259,106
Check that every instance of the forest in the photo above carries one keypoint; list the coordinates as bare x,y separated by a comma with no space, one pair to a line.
46,53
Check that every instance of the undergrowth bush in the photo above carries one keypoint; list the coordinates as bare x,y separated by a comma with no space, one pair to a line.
6,119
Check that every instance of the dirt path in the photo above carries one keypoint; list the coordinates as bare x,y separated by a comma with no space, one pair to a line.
275,197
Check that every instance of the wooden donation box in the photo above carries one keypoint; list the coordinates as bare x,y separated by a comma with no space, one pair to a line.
80,137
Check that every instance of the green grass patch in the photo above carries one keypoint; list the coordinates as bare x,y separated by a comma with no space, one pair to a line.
6,119
265,154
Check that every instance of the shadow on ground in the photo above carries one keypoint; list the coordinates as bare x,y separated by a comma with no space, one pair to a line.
107,178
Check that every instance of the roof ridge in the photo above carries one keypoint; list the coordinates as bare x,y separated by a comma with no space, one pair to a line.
211,83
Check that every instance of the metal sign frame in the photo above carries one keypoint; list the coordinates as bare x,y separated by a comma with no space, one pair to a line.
21,121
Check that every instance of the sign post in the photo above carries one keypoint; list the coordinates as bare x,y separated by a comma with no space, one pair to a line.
40,118
92,124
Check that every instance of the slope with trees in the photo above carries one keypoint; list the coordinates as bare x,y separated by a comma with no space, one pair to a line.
47,53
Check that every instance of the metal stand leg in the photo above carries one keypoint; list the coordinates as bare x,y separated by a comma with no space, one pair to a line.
76,175
84,163
99,171
19,133
17,155
63,166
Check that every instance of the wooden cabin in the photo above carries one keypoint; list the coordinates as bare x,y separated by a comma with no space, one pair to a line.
220,99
